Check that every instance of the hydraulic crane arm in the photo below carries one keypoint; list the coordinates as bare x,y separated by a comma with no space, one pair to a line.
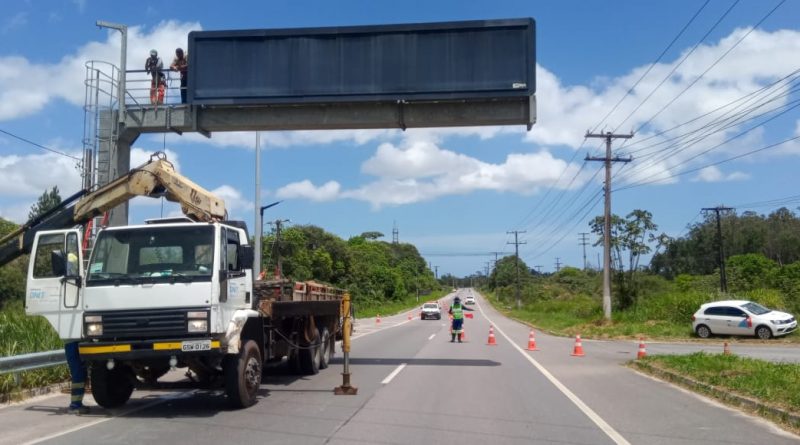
155,178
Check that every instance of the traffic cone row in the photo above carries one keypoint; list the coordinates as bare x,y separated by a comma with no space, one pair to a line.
492,341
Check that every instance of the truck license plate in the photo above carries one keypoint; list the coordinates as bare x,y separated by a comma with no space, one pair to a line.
196,345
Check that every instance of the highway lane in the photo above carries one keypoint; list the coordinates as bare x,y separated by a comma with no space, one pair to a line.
445,393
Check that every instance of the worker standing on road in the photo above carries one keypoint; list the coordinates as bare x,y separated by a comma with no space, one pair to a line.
77,370
457,311
153,66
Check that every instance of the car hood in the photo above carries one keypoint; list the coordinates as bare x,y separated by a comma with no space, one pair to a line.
777,315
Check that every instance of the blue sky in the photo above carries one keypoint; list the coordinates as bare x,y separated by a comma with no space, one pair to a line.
588,54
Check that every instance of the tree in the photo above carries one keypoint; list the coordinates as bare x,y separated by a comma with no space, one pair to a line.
46,201
632,235
371,235
12,275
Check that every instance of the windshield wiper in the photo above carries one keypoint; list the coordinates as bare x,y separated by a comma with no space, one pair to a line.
177,276
127,280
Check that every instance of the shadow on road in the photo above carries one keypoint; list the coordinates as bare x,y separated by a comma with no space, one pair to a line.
418,361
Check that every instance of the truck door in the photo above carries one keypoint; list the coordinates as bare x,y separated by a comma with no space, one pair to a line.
55,281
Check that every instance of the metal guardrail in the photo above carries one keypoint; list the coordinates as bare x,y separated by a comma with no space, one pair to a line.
16,364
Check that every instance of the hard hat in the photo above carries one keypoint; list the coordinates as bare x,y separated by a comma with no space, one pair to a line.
153,52
457,300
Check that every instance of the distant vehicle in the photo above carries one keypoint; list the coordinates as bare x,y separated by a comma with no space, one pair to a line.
469,300
431,310
741,317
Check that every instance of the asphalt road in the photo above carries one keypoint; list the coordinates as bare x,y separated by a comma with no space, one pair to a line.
416,387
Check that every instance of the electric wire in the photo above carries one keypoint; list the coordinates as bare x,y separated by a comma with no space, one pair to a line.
28,141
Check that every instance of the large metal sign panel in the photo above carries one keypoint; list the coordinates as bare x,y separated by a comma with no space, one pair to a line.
431,62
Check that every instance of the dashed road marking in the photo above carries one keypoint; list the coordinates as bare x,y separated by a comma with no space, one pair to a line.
431,337
393,374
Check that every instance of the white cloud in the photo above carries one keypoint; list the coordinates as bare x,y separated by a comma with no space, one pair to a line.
23,174
26,87
17,20
714,174
422,171
307,190
235,203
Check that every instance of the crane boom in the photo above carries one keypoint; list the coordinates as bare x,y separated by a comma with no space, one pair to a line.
155,178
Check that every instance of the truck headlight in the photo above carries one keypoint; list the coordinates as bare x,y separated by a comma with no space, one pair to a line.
198,325
94,329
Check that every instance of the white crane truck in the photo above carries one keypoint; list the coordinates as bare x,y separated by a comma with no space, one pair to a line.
170,294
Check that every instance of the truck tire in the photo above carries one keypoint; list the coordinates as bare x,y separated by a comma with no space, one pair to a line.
310,357
326,353
111,388
243,375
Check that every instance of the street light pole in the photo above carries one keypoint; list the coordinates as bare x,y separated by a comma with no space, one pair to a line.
123,63
259,212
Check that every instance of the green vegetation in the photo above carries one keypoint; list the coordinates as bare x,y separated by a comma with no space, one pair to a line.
774,384
20,334
381,277
763,265
394,307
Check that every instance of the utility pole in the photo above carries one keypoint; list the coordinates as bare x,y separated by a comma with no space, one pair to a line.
723,277
516,262
558,265
607,160
538,269
436,273
395,234
584,242
278,224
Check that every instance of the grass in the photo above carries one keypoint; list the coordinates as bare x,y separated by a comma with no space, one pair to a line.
395,306
663,317
774,384
20,334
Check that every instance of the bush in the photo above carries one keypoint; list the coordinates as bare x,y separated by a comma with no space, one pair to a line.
750,271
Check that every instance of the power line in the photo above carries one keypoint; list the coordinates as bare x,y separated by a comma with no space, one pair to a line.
516,243
686,172
672,71
658,59
28,141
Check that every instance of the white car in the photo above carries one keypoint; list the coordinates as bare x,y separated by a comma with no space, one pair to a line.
741,317
469,300
431,310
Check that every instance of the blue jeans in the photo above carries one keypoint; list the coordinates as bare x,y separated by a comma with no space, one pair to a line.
77,372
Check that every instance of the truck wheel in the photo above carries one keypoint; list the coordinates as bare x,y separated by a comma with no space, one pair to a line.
111,388
243,375
310,357
326,353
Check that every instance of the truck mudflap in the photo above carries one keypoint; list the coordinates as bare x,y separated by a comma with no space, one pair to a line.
149,348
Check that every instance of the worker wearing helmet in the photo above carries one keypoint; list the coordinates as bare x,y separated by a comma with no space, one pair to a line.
457,313
154,67
77,369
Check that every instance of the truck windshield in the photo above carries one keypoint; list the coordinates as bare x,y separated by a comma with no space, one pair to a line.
152,254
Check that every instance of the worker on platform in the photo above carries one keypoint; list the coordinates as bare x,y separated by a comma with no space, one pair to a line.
77,369
457,313
181,64
154,67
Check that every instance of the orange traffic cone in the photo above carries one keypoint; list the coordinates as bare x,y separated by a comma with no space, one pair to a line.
492,341
532,342
378,319
726,349
642,351
409,315
463,334
578,351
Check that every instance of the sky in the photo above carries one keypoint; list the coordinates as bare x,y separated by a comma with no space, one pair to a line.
707,87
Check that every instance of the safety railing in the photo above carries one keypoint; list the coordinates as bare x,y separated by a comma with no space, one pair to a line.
17,364
142,91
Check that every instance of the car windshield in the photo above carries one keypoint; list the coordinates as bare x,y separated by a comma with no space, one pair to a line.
430,306
157,254
755,308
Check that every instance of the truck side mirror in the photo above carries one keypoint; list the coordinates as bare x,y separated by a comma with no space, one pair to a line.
58,263
246,256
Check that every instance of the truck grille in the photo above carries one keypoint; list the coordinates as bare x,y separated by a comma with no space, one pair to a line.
147,323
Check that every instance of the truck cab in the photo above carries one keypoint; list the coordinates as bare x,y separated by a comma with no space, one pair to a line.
149,298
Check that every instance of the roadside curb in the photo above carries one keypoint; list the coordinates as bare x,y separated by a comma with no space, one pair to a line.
768,411
24,394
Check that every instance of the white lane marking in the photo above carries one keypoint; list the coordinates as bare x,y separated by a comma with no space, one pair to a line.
431,337
106,419
593,416
393,374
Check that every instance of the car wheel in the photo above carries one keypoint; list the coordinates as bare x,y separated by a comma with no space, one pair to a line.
703,331
764,332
